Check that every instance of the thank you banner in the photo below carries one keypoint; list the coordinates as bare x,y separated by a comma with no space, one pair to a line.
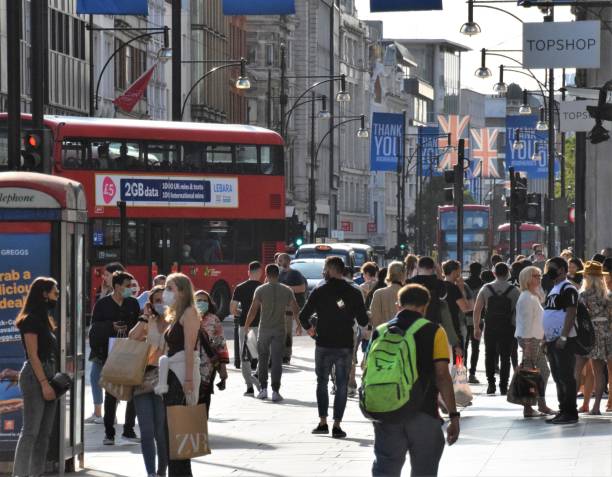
404,5
387,141
112,7
521,159
258,7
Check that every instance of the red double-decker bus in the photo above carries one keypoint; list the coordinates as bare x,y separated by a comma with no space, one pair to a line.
203,199
477,233
530,235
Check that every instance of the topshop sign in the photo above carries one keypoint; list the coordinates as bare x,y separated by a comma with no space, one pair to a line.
562,44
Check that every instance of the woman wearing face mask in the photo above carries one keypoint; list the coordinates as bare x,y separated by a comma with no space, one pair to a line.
182,362
149,406
38,338
214,355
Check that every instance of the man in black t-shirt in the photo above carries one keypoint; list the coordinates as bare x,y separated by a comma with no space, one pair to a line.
239,306
296,281
473,285
114,315
456,296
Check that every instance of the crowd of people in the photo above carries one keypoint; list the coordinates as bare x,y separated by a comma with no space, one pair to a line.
530,304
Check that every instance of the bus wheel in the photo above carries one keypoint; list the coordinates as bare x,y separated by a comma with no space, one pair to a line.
221,296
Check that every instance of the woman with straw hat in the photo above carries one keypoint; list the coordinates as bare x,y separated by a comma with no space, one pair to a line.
594,295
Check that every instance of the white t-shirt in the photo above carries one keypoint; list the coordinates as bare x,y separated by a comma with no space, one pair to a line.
529,316
555,309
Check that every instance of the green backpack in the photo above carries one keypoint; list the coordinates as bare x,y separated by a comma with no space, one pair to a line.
390,371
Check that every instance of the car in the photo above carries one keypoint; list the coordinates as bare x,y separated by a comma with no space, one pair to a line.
363,253
311,268
324,250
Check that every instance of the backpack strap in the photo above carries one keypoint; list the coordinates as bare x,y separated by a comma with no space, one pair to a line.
510,288
492,290
416,326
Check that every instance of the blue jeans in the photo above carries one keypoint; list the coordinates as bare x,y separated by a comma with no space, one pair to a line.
151,414
38,416
94,377
420,435
341,359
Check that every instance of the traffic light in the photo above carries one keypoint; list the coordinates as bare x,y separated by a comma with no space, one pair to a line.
295,231
518,198
32,151
449,192
534,208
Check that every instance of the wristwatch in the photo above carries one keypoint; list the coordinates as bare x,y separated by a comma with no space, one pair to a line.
452,415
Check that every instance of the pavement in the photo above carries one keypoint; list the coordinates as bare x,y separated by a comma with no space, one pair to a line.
264,439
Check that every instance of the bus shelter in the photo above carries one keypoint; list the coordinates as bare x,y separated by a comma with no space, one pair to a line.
42,233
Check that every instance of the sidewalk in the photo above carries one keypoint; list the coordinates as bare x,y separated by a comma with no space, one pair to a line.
260,438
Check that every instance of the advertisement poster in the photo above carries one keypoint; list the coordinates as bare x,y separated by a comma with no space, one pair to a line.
166,191
387,141
430,150
23,257
521,159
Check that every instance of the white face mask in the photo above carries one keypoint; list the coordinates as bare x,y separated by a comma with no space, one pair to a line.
168,297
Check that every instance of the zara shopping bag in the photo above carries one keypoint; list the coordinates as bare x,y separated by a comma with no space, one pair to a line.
187,431
126,362
121,392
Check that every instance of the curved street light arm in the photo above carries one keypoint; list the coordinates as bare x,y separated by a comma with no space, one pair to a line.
202,78
295,104
357,118
540,84
136,38
479,5
530,75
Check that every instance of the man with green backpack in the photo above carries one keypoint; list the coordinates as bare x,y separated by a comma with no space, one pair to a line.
406,368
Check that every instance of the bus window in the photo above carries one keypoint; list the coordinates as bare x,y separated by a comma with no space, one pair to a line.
125,156
246,159
209,242
272,160
106,240
3,148
193,157
246,241
73,154
219,157
163,156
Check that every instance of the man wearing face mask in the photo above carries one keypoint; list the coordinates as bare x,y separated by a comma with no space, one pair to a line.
114,315
559,332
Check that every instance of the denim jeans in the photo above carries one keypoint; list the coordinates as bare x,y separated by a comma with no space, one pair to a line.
421,436
151,414
341,359
270,347
38,416
562,364
94,377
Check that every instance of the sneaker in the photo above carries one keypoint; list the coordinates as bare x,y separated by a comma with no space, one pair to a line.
321,429
473,379
491,389
352,392
503,391
286,360
333,389
263,394
93,419
108,441
338,433
276,397
563,419
249,392
131,437
256,383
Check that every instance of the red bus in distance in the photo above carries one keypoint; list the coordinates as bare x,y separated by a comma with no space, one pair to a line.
530,235
203,199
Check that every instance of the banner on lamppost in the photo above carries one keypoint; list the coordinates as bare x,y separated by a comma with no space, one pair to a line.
458,128
258,7
404,5
484,153
562,44
387,140
522,159
112,7
429,150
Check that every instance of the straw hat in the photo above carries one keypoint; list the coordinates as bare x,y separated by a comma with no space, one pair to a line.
593,268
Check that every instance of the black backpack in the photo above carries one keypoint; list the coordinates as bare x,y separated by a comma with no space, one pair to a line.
585,332
499,309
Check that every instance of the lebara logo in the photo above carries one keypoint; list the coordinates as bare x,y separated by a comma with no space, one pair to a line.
108,190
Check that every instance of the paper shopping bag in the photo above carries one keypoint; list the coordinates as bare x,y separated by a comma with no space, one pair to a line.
187,431
126,362
121,392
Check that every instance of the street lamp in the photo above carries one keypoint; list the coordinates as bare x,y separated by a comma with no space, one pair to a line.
483,72
500,87
241,83
542,125
362,132
525,109
343,95
470,28
324,113
517,144
536,156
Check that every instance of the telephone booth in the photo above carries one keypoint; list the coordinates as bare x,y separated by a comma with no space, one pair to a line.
42,233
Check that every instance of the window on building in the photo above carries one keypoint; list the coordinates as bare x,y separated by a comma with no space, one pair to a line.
269,58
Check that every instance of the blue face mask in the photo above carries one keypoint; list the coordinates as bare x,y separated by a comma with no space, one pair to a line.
127,292
202,307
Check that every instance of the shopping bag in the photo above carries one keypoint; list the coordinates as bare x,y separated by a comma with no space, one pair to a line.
463,392
525,387
126,362
251,342
121,392
187,431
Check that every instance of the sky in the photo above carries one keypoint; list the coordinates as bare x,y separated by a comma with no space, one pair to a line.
499,31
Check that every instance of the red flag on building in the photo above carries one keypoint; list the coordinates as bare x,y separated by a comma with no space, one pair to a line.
132,95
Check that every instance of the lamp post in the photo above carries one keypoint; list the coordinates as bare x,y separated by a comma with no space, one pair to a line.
163,54
362,133
242,82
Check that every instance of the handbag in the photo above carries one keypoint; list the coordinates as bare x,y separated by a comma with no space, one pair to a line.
461,387
150,380
526,386
60,383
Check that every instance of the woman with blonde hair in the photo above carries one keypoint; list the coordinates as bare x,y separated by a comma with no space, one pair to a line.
530,332
595,297
383,306
181,337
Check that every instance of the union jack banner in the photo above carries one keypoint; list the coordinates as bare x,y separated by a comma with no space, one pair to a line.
484,152
457,127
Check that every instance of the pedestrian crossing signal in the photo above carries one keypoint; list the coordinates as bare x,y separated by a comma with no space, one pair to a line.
32,152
